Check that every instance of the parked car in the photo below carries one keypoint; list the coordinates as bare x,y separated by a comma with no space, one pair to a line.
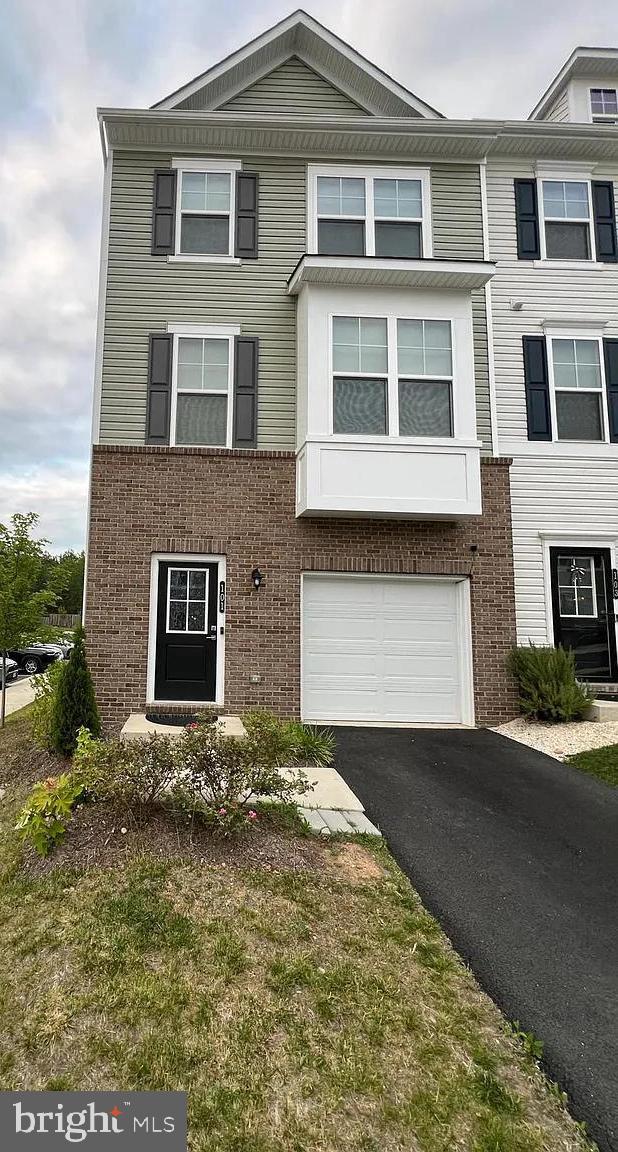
36,657
12,670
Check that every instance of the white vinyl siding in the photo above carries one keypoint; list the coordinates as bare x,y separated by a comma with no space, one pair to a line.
576,296
574,502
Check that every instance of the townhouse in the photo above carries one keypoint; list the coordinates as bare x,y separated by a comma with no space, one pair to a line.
308,353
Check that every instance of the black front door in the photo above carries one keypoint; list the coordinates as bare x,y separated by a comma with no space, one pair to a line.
583,609
186,648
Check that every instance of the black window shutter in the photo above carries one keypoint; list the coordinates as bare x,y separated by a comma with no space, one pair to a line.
246,355
527,217
604,221
610,353
163,212
246,215
159,389
537,388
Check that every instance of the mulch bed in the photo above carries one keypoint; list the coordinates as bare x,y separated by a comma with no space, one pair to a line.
95,839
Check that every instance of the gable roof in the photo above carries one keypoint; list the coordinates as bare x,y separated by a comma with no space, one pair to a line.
581,62
301,36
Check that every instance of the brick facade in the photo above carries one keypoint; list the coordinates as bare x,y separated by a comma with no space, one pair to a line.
241,505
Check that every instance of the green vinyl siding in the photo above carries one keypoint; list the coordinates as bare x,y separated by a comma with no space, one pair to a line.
144,293
293,87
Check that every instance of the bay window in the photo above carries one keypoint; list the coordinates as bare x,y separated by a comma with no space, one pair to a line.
377,212
392,377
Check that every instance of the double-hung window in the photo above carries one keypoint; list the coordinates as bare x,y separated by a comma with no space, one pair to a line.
205,209
604,105
568,234
392,377
202,387
382,212
576,370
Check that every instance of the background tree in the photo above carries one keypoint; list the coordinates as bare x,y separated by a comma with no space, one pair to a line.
66,572
26,594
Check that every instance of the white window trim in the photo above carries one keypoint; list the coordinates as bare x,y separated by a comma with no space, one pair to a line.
195,165
186,559
368,174
602,117
186,631
568,178
552,334
392,383
201,331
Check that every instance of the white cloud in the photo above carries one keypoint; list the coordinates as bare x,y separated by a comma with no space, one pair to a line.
56,494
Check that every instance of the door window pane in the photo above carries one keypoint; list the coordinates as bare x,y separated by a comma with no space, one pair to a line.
398,239
205,235
178,583
196,621
576,586
425,408
341,237
177,616
197,584
579,416
359,344
201,420
359,406
188,596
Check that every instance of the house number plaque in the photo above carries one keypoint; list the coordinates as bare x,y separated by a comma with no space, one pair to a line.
222,596
615,583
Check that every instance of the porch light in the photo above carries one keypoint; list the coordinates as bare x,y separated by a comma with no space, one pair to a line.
256,578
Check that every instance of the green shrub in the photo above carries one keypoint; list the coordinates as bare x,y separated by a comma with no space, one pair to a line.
548,689
289,740
47,811
46,687
135,772
75,706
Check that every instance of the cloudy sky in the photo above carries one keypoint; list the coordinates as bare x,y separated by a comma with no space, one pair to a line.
59,59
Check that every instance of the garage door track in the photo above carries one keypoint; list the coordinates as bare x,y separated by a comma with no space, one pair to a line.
516,855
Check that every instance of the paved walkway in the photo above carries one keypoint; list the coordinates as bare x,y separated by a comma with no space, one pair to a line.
516,855
19,693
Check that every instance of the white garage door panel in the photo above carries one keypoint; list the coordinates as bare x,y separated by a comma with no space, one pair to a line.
382,650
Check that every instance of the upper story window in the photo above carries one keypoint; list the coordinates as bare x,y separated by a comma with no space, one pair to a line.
205,211
377,212
202,388
392,377
575,367
604,105
566,214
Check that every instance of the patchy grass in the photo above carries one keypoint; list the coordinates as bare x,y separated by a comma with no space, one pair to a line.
311,1010
599,762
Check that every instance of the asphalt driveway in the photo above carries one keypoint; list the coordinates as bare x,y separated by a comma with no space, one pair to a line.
517,856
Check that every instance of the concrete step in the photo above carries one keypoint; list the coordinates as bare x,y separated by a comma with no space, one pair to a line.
603,711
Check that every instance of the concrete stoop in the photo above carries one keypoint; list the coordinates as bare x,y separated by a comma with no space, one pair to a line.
329,806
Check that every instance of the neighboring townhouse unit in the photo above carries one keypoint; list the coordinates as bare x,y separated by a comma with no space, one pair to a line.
293,392
554,313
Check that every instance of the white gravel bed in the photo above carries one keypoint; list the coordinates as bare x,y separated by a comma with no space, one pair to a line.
561,740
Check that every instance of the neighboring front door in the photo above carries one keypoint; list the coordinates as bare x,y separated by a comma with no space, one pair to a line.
583,609
186,646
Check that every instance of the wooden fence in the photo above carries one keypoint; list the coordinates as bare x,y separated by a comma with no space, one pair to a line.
60,620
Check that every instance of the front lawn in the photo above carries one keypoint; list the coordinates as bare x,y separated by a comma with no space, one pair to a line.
599,762
306,1002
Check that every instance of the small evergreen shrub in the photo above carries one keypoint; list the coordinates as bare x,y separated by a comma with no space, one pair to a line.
548,688
75,705
46,687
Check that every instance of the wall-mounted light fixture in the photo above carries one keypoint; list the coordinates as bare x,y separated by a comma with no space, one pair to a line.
516,305
256,578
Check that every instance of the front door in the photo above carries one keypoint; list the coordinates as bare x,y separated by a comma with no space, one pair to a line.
583,609
186,646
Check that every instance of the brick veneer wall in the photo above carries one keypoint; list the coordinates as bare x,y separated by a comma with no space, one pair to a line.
241,505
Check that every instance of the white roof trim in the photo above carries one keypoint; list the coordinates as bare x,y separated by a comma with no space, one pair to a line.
297,20
564,75
367,270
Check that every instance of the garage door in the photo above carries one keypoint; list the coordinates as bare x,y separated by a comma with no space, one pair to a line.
378,649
